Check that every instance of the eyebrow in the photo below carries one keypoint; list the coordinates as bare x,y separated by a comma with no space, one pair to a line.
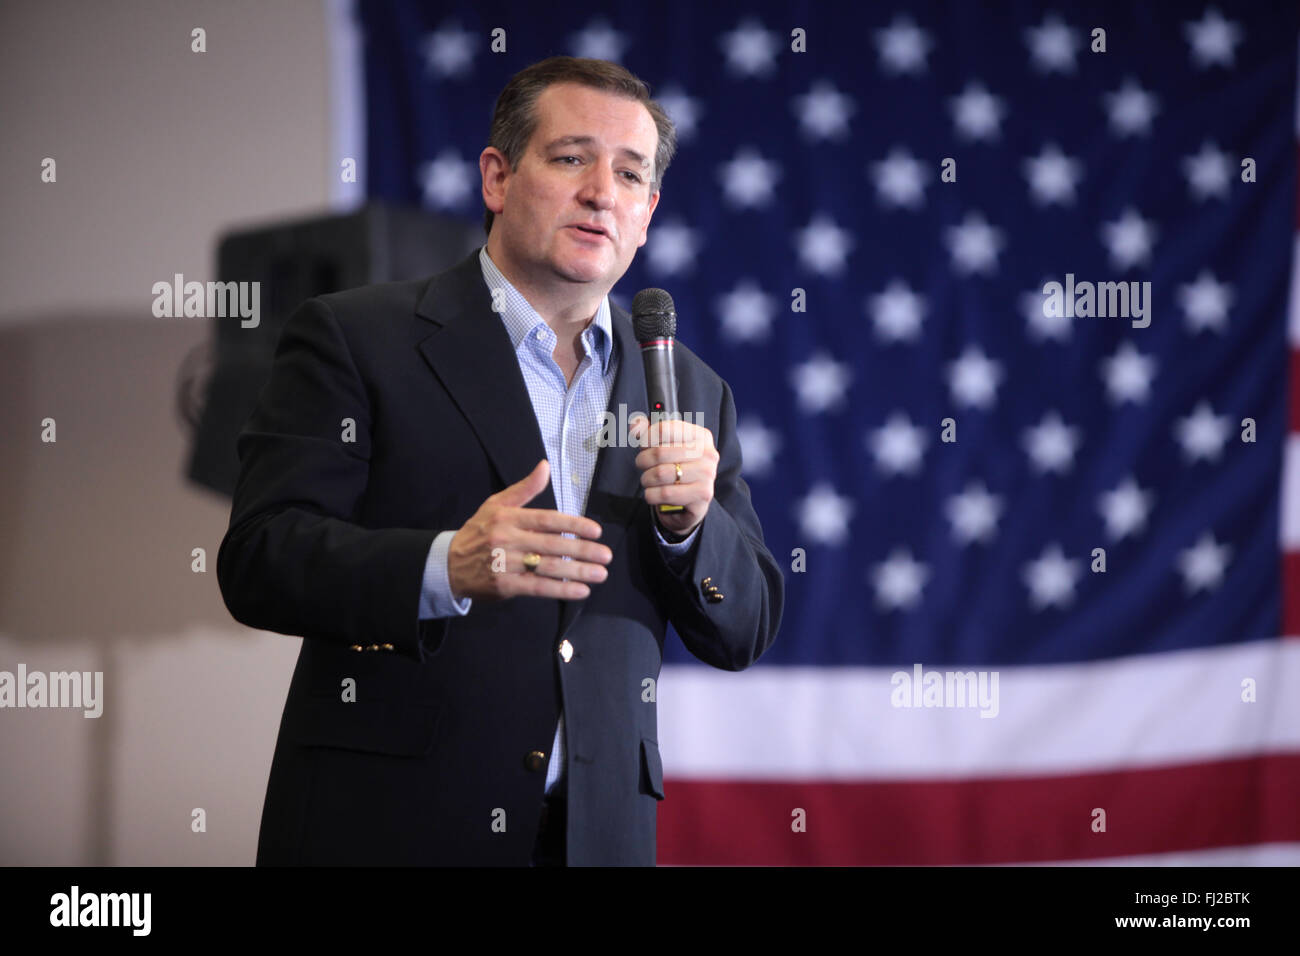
590,140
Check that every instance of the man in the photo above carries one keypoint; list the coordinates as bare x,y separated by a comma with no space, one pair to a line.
482,588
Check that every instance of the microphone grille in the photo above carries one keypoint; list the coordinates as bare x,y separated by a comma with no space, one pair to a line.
653,315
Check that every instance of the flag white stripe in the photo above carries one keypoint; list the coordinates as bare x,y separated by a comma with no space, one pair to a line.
838,723
1291,494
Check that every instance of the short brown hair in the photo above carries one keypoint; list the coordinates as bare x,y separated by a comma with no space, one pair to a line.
515,118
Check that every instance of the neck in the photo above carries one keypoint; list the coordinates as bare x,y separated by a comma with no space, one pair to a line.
566,310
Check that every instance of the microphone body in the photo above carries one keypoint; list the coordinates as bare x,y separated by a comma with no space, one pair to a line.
654,320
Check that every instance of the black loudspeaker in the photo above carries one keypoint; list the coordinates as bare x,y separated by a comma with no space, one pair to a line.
294,261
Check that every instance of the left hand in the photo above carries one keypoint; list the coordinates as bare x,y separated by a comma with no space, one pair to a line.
673,443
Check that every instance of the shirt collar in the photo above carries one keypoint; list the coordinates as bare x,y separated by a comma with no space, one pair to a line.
521,319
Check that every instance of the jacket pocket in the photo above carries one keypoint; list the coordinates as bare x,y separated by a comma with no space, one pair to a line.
377,726
652,769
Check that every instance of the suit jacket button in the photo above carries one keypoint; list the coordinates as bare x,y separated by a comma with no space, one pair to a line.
373,647
566,651
356,647
714,597
535,760
387,647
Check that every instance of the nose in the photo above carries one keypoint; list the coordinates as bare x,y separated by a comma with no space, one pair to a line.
597,189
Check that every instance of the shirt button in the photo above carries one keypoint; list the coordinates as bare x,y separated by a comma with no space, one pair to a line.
574,476
538,333
566,651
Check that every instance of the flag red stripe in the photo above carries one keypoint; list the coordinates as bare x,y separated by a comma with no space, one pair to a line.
1003,820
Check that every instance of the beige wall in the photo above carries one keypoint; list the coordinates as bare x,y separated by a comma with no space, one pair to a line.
158,150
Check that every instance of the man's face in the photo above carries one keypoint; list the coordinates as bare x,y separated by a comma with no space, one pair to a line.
576,207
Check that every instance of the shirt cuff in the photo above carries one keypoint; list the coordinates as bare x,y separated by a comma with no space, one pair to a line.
435,598
675,549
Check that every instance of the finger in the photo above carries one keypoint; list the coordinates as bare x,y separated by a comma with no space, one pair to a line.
559,568
674,431
524,491
553,544
557,522
536,585
685,495
667,453
667,475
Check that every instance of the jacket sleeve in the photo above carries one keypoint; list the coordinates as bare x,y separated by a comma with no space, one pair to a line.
729,560
294,558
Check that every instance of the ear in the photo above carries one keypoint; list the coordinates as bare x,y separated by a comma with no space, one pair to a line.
650,211
495,170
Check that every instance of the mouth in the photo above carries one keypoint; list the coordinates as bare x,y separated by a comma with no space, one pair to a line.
595,232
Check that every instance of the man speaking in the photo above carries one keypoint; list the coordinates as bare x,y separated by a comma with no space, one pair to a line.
482,580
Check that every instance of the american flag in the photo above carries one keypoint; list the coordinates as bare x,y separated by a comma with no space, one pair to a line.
1043,563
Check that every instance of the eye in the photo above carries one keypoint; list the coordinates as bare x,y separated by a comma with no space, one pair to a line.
564,159
631,176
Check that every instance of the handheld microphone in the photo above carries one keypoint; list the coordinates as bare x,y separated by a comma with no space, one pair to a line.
654,321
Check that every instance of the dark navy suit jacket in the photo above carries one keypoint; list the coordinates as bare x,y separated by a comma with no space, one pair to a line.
436,760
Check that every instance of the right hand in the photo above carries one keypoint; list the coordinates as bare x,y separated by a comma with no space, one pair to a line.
503,522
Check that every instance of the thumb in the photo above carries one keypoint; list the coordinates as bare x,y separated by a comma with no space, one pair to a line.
525,490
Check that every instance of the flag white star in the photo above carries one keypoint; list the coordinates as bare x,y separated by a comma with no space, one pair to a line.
746,312
977,113
1213,40
974,514
903,46
750,50
1128,239
900,179
1052,176
1209,172
748,180
1131,109
820,383
824,112
974,378
974,245
899,580
1052,45
1203,433
1204,564
823,246
1128,375
1051,578
896,313
898,446
448,181
1125,509
824,516
1205,303
1041,325
599,41
1051,444
682,109
758,447
672,247
449,50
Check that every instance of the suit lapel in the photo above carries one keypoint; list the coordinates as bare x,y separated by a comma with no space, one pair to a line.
616,493
471,340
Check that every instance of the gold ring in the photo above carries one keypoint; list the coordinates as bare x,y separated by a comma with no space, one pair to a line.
531,560
678,479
